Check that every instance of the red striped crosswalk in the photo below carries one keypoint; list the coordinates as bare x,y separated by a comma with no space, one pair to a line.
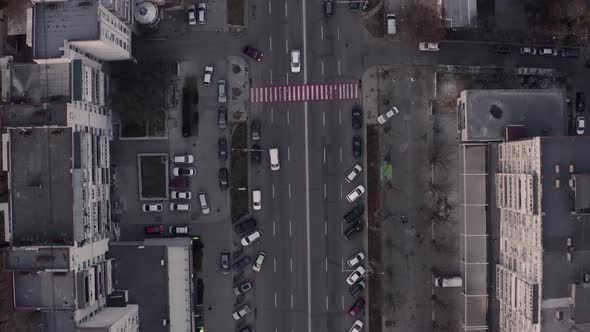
304,92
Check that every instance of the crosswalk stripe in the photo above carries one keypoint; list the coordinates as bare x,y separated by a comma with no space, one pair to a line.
304,92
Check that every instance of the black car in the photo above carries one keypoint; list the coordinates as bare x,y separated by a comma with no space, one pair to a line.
242,287
223,179
328,8
222,118
357,146
352,231
222,148
357,117
242,263
354,214
569,53
256,153
580,102
245,226
255,130
357,288
501,49
253,53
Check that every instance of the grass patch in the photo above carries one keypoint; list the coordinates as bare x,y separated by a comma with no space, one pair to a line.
239,172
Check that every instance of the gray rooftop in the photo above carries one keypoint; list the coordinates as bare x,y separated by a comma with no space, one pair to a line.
32,115
53,258
34,83
45,290
460,13
488,113
57,22
41,186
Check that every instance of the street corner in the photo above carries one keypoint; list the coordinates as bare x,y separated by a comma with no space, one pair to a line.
239,83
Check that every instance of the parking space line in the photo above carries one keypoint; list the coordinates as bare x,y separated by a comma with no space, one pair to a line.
322,32
288,117
273,190
289,190
324,149
326,264
326,227
341,155
286,9
339,68
338,32
324,118
270,43
286,46
322,67
270,76
274,233
275,299
339,116
290,232
291,301
269,7
287,76
289,156
274,265
272,115
291,264
325,191
326,302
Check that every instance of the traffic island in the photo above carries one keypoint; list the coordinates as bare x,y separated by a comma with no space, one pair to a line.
239,172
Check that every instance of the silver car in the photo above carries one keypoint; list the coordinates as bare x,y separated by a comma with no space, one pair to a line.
221,96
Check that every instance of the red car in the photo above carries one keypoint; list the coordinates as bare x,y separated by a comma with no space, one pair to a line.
253,53
155,229
179,182
356,307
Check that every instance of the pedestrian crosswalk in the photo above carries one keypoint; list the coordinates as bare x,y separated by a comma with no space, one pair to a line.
304,92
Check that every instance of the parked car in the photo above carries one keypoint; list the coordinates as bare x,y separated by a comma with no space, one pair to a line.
580,124
432,47
357,288
223,179
354,214
528,51
357,117
547,51
179,183
240,313
255,130
153,207
356,170
355,193
448,282
256,199
253,53
354,5
502,49
222,149
208,75
245,226
183,171
203,203
250,238
328,8
184,159
191,15
241,263
180,207
180,230
387,115
224,261
352,231
242,288
201,12
356,307
580,102
259,260
222,117
221,95
356,259
256,153
295,61
357,146
356,275
180,194
569,53
357,326
154,229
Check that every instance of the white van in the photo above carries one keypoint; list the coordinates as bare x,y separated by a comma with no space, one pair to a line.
203,201
274,159
391,28
448,282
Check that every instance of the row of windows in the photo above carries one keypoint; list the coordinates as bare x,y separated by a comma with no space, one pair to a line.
115,22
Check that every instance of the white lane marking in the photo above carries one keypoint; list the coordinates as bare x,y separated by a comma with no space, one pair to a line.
325,227
287,46
322,67
324,154
275,299
289,190
272,115
339,67
325,190
339,116
287,78
291,301
286,12
342,302
271,76
289,155
326,264
273,190
341,228
324,118
269,8
270,43
341,192
274,229
338,32
290,229
341,155
322,32
288,117
275,265
326,302
291,264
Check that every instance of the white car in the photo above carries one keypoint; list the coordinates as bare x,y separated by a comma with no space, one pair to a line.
208,75
186,159
356,275
180,194
528,50
256,199
580,124
221,95
191,15
243,311
355,193
547,51
356,170
259,260
201,15
356,259
180,207
357,326
183,171
152,207
432,47
387,115
252,237
295,61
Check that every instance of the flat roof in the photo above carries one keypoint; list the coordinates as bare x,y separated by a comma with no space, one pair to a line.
488,113
41,186
53,258
34,83
57,22
52,113
45,290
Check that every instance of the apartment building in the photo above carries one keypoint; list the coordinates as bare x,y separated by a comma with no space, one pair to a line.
543,195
